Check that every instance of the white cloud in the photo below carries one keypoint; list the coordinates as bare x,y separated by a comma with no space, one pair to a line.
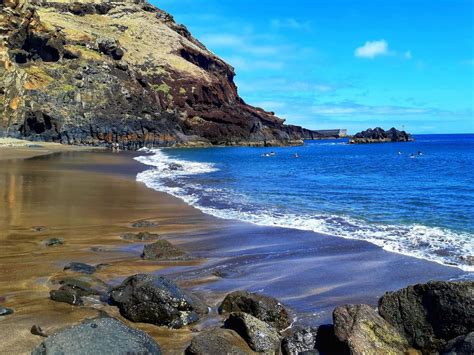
372,49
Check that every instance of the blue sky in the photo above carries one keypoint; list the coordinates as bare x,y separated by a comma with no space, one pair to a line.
346,64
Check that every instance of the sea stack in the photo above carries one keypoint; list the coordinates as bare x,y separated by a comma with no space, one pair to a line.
379,135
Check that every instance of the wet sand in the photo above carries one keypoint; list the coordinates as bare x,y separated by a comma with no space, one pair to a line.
90,198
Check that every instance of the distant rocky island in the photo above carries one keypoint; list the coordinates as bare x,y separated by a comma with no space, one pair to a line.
379,135
103,72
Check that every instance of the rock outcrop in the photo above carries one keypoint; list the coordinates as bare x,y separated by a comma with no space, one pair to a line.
429,315
378,135
154,299
265,308
99,336
100,72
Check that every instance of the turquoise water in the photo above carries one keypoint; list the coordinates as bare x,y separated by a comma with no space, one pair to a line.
419,205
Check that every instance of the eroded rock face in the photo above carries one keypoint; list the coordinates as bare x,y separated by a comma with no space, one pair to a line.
431,314
218,341
153,299
99,336
94,73
260,336
378,135
365,332
265,308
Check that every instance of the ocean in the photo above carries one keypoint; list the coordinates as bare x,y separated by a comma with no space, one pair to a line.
414,198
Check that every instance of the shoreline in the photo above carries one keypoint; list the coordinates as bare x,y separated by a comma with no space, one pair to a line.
310,273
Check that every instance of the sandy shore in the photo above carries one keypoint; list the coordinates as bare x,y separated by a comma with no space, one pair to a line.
90,198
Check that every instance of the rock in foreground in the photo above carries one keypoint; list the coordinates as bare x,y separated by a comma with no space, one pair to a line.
429,315
259,335
378,135
365,332
153,299
162,250
99,336
217,342
265,308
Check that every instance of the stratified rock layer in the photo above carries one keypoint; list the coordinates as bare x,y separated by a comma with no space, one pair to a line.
98,72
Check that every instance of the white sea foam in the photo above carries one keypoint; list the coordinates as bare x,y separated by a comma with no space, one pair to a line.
430,243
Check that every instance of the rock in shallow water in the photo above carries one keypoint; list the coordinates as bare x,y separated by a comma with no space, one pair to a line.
53,242
431,314
365,332
218,342
81,268
99,336
142,236
144,224
265,308
154,299
259,335
162,250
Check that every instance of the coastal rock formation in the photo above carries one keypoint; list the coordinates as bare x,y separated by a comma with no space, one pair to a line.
462,345
260,336
142,236
378,135
153,299
99,336
265,308
98,72
429,315
365,332
300,340
218,341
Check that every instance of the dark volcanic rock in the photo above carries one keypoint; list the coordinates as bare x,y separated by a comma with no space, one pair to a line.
259,335
153,299
145,224
142,236
265,308
328,343
462,345
72,74
53,242
81,268
99,336
5,311
378,135
300,340
365,332
218,342
162,250
72,290
37,330
431,314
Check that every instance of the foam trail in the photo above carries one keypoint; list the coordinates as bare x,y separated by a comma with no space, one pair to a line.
431,243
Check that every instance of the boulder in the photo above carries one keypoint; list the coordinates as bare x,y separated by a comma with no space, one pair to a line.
162,250
153,299
265,308
365,332
81,268
218,342
142,236
462,345
72,290
260,336
301,339
429,315
99,336
111,48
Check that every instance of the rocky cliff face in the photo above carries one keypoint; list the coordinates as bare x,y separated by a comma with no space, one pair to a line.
100,72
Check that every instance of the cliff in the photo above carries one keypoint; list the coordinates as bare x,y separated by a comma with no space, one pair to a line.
99,72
